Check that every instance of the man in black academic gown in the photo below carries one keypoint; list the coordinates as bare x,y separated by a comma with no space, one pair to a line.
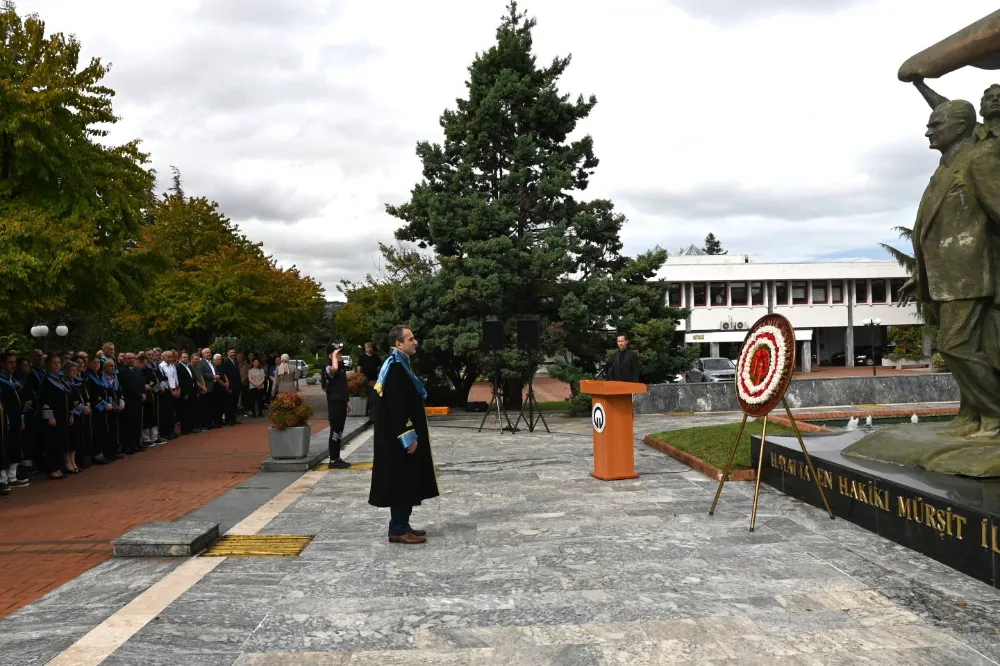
134,393
624,364
370,364
403,467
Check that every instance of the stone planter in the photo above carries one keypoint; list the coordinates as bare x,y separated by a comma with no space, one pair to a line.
290,442
358,406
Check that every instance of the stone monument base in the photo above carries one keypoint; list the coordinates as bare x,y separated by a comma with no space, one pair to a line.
927,446
952,519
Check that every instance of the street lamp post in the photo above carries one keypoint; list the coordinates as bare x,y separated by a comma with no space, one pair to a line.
874,324
41,330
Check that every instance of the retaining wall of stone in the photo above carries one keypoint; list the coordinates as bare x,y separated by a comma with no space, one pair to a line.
829,392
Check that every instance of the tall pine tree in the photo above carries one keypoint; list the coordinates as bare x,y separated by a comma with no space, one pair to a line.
713,245
497,204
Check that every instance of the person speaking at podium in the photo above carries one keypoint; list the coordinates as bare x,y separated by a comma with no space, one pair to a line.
624,364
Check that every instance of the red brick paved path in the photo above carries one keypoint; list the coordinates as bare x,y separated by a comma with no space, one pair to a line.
53,531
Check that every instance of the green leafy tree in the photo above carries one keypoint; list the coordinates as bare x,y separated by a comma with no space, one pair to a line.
497,204
713,245
216,282
70,206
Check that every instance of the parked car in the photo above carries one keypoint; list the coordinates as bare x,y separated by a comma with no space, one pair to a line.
711,369
860,358
301,368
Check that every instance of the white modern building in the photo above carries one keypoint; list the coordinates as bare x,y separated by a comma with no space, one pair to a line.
837,307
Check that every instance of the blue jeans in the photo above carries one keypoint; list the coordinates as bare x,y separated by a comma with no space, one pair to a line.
399,521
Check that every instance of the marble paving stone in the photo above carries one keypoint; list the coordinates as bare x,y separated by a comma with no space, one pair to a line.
294,659
139,655
531,561
181,538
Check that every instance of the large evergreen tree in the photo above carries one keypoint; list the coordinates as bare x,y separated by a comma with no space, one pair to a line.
70,206
713,245
498,205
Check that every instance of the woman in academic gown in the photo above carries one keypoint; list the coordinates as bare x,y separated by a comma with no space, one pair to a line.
85,450
98,392
77,408
115,406
56,413
403,467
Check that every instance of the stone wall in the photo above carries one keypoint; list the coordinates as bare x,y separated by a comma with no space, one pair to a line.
830,392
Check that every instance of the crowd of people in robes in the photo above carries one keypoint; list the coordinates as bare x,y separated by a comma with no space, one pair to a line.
63,412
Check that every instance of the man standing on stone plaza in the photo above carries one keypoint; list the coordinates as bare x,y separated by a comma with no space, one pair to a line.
334,382
231,368
403,467
370,364
134,393
955,272
624,364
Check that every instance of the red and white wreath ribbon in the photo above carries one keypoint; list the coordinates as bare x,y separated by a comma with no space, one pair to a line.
765,346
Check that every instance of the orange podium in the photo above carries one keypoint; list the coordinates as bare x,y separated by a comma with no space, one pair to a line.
611,416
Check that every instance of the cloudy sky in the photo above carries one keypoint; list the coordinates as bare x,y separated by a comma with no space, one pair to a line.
779,125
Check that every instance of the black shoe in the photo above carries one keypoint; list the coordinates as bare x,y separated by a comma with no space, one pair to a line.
100,460
19,483
24,471
338,464
4,490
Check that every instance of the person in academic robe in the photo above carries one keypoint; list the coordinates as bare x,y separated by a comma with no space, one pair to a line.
221,390
623,366
56,414
85,452
98,392
188,395
33,423
71,379
11,423
134,394
403,467
151,388
115,405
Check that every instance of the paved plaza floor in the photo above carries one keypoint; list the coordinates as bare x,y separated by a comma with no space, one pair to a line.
529,561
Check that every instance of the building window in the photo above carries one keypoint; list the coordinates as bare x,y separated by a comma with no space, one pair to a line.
799,294
717,291
738,293
674,295
756,293
781,293
837,291
700,294
895,285
819,292
861,291
878,291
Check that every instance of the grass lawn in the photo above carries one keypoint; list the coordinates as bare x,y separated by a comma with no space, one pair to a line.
555,406
713,443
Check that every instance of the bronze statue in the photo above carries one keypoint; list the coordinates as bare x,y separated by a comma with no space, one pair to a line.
956,263
956,244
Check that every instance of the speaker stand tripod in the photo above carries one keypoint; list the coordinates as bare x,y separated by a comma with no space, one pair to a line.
532,418
497,400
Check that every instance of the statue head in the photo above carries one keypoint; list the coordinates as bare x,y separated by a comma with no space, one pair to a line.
949,123
989,105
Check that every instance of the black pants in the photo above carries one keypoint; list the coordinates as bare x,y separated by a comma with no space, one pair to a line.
337,413
165,418
399,520
131,427
231,404
186,412
255,403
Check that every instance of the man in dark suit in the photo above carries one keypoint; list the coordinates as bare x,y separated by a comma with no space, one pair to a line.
134,393
207,400
370,364
231,368
189,395
624,364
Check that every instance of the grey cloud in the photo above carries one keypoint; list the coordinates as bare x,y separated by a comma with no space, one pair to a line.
267,14
350,55
266,202
897,175
349,256
732,12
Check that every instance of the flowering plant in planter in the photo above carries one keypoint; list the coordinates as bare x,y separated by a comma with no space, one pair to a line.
357,385
289,410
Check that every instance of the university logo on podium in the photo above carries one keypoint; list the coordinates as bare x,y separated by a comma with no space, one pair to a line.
598,417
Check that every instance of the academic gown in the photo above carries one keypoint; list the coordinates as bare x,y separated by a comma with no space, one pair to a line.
149,407
76,404
54,403
98,392
31,437
86,444
113,415
13,417
400,478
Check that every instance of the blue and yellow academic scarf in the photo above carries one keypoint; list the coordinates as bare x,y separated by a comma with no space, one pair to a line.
7,380
396,356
